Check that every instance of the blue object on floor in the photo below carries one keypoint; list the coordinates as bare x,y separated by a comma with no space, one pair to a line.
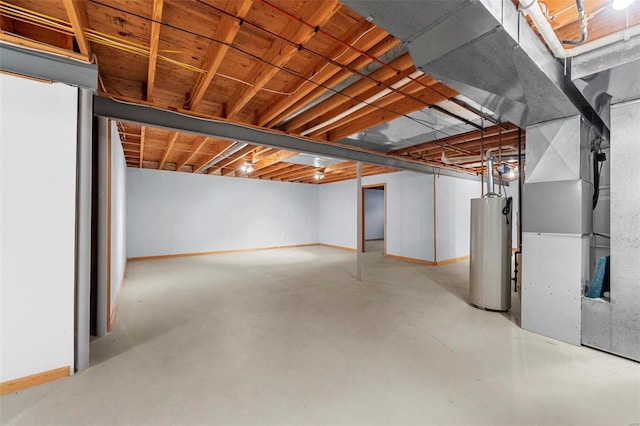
595,286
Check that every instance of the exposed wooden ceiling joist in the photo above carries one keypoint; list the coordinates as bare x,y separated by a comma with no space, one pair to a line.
281,52
225,33
221,146
257,61
402,63
320,71
154,42
78,17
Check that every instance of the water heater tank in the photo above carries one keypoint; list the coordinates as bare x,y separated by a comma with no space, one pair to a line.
490,263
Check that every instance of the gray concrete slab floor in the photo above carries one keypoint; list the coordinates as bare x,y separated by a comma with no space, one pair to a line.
290,337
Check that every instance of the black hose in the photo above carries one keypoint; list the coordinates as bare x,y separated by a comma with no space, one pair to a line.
583,25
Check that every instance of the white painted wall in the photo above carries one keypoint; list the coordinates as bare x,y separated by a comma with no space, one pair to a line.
453,210
171,213
38,130
337,223
374,214
118,214
409,213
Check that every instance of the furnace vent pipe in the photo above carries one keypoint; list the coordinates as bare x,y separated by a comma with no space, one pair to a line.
490,184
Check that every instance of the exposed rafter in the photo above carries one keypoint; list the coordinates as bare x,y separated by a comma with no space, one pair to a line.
401,63
78,17
281,52
225,33
232,158
154,42
197,146
319,71
143,132
221,146
172,141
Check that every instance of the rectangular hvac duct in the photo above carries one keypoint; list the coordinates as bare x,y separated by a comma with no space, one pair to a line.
486,50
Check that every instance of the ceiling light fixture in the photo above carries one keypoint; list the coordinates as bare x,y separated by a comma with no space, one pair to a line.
247,167
621,4
319,174
511,175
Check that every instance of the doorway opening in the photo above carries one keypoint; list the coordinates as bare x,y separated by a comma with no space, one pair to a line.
374,218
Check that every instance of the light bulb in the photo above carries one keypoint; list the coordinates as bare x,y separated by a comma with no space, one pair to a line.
511,174
621,4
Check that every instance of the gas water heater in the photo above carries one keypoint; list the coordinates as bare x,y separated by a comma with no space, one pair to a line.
490,263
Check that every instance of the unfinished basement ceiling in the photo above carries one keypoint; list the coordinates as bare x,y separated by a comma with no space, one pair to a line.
311,68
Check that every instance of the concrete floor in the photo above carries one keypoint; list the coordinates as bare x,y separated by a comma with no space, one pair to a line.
289,337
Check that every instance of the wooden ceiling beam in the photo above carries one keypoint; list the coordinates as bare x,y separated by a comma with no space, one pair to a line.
269,169
195,148
465,149
77,13
289,168
320,70
143,132
392,111
281,52
367,170
221,146
401,63
154,42
342,108
469,136
225,33
384,46
234,168
333,177
304,170
43,47
410,89
231,159
273,158
172,141
6,24
340,166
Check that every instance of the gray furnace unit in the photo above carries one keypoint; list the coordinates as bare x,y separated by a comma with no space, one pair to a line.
490,263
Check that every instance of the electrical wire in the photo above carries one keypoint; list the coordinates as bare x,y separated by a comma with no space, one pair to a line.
291,72
299,47
345,67
141,50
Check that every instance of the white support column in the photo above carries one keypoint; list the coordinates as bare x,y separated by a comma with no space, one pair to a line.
83,229
359,221
102,316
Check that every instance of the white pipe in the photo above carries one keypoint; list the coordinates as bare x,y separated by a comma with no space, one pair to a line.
360,229
225,155
365,103
548,34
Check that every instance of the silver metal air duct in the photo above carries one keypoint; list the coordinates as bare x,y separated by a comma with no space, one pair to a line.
237,147
486,50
